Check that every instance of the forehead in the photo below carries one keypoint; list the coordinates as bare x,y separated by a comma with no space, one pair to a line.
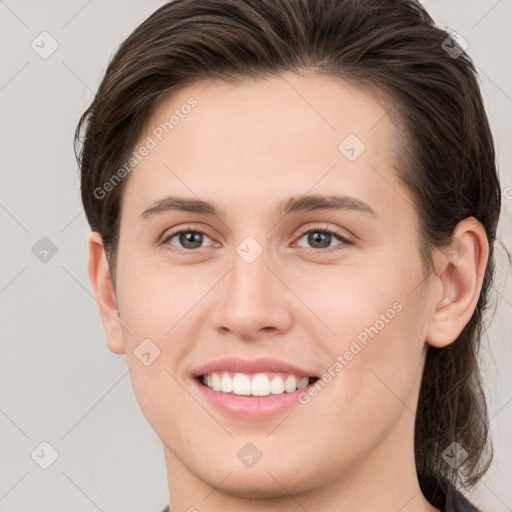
286,133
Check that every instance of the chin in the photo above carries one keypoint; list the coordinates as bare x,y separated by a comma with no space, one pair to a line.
261,481
257,486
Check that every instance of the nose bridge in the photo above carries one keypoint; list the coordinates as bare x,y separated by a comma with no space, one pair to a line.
252,297
249,279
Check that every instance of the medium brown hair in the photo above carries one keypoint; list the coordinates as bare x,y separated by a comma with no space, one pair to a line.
447,158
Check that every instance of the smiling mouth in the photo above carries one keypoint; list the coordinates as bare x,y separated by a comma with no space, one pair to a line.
256,384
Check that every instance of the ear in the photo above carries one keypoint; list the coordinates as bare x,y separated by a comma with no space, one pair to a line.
460,269
101,281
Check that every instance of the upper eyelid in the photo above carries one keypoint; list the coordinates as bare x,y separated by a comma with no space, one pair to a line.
347,235
186,229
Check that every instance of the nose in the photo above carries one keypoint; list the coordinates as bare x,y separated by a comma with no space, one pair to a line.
252,301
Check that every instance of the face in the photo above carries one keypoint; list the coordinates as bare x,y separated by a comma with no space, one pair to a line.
304,250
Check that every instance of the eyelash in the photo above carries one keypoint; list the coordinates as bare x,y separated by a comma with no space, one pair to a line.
343,239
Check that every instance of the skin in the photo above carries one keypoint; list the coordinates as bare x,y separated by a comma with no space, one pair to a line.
246,148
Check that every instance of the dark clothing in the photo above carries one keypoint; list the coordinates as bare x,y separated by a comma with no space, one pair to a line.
443,496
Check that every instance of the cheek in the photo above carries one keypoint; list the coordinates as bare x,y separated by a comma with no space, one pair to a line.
351,298
155,303
376,350
156,310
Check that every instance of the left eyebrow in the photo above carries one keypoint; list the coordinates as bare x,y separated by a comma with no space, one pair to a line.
322,202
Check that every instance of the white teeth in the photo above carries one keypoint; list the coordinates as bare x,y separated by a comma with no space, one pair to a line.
241,384
259,384
226,383
216,384
303,382
277,386
290,383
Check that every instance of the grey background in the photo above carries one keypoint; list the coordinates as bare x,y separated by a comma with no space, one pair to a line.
59,382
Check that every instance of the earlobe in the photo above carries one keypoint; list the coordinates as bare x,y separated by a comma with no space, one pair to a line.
101,281
460,269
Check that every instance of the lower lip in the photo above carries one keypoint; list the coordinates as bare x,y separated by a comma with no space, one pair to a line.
250,407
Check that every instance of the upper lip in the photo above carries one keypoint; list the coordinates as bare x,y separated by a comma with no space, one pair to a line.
260,365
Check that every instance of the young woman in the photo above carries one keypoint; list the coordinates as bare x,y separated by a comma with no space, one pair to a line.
293,205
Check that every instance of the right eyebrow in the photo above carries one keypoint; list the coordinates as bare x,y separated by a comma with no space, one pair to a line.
181,204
